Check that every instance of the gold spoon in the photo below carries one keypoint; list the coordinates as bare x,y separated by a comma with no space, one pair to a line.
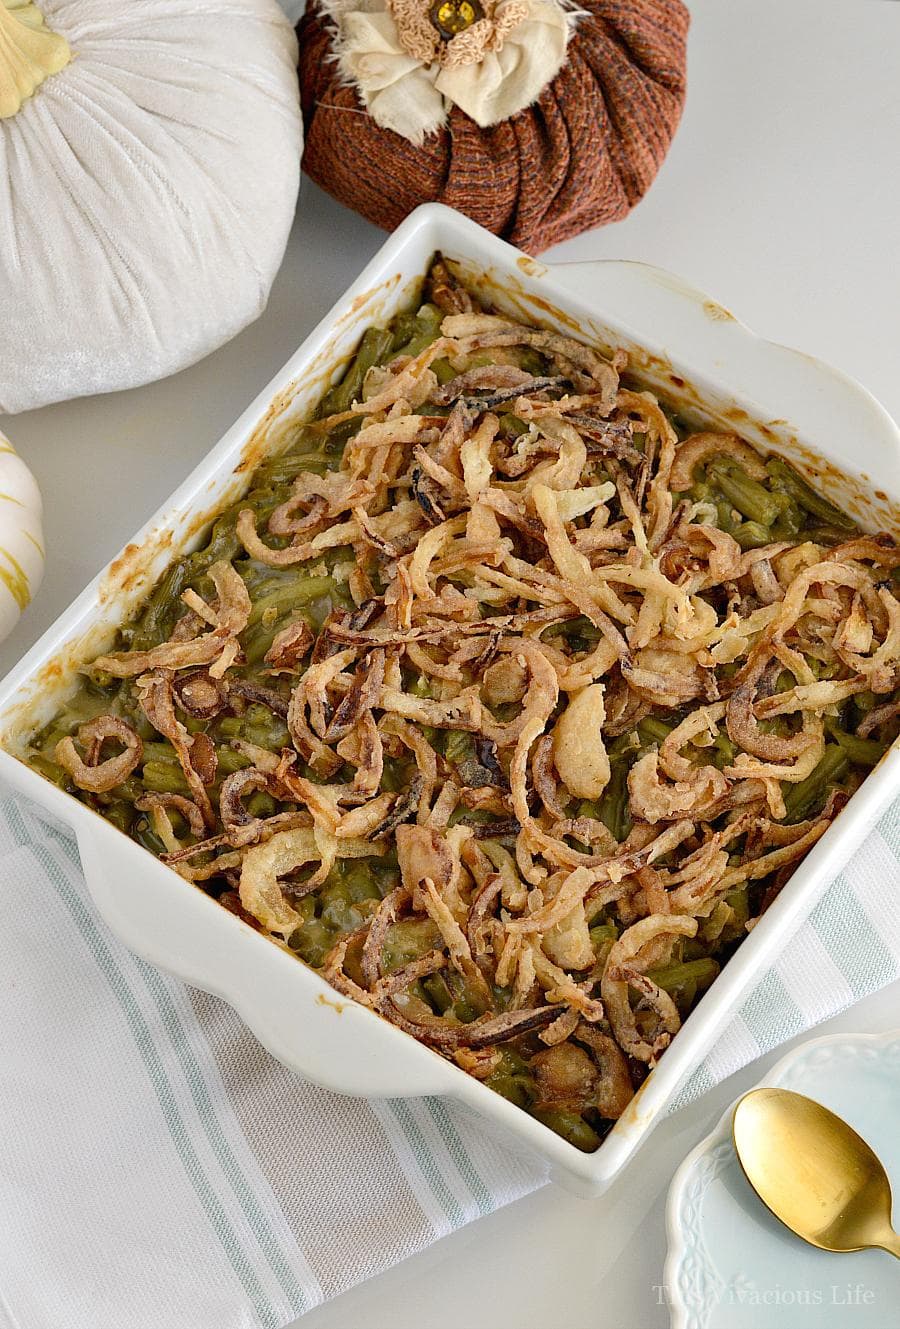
814,1172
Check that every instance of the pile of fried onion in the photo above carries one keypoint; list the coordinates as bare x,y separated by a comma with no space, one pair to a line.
526,599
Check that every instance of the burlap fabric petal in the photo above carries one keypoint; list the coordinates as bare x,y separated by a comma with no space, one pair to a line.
582,155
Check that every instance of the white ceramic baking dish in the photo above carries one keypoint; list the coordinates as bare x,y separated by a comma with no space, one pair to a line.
681,343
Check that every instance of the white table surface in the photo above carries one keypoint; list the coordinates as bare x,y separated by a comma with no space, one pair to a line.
781,197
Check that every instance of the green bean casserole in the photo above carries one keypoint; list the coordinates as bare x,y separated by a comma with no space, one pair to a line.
504,700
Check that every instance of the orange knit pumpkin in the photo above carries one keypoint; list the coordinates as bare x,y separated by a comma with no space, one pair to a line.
583,154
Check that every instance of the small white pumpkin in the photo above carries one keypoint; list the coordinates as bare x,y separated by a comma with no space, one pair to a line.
21,537
149,166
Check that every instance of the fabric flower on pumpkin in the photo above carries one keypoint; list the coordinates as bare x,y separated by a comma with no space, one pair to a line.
410,62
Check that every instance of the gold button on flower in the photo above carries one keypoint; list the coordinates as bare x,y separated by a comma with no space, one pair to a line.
453,16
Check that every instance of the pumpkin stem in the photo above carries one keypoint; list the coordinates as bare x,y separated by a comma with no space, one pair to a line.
29,53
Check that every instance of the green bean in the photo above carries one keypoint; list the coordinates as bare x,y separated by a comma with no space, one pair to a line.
143,832
231,726
726,519
675,976
359,886
403,327
472,817
570,1125
284,468
164,604
121,814
257,640
570,628
746,494
825,535
459,746
530,360
466,1005
553,630
752,535
428,328
223,543
312,941
654,730
358,880
408,940
614,811
602,936
443,370
860,751
257,643
258,725
336,441
603,932
165,777
437,993
158,750
793,483
511,1061
739,902
231,761
790,521
129,790
375,345
625,745
261,804
292,595
341,910
801,798
50,770
395,775
726,751
63,727
512,1079
306,907
511,425
421,687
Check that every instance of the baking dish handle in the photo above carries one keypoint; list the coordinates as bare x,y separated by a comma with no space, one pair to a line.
621,285
822,403
179,928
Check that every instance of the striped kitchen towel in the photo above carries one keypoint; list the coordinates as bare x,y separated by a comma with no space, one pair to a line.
159,1170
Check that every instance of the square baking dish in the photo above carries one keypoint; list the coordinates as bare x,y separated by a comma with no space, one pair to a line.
681,344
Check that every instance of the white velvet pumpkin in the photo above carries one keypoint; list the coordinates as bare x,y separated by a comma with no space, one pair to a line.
21,537
146,188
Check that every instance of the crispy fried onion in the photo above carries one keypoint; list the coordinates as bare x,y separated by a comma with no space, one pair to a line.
700,448
637,948
266,865
228,616
95,775
416,1019
200,695
653,799
161,806
194,752
578,750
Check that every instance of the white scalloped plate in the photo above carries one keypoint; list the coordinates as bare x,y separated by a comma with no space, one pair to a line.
732,1265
